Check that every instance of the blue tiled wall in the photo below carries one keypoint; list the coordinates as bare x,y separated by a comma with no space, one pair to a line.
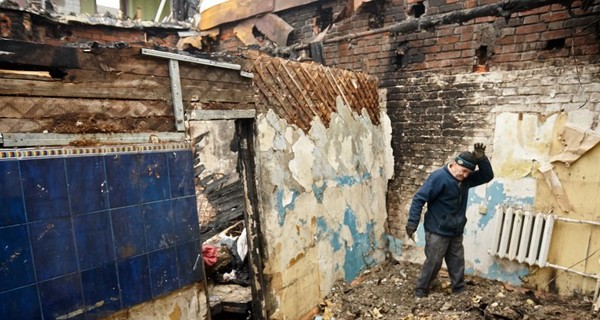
85,236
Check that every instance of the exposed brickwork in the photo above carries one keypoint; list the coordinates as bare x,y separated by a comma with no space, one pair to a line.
437,105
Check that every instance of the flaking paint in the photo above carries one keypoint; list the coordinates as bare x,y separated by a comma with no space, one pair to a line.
336,177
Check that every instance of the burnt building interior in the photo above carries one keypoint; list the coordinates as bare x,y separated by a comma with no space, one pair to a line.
236,159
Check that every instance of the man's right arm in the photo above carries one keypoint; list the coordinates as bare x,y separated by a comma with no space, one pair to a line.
428,191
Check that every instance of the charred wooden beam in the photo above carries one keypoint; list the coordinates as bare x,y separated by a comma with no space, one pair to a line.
35,56
245,131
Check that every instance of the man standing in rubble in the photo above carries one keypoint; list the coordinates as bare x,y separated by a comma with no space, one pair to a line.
445,191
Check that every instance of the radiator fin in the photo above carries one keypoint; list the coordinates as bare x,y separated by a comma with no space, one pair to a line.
520,235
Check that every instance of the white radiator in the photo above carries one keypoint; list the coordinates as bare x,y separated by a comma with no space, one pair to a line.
522,235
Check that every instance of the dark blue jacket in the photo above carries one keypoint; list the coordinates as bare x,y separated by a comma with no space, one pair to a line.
446,199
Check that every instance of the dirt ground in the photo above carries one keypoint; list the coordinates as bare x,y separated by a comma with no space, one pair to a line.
387,292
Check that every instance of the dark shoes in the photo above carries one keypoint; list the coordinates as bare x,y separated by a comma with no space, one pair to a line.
420,294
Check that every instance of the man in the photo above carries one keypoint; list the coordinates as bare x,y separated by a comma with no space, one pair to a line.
445,191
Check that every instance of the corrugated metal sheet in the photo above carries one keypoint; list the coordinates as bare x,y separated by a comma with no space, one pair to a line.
299,91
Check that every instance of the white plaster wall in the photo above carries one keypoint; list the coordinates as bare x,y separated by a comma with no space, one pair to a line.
216,154
322,197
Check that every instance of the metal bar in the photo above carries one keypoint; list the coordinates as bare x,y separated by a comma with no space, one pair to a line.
221,114
596,223
551,265
60,139
184,58
161,6
177,94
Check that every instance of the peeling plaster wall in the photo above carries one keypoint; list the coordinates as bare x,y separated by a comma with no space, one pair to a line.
322,197
526,112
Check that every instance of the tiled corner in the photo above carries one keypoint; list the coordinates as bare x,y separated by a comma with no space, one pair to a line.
84,233
123,179
163,271
101,291
22,303
134,280
11,202
93,238
16,266
85,176
181,172
158,218
189,263
129,231
187,227
154,177
53,248
61,297
45,188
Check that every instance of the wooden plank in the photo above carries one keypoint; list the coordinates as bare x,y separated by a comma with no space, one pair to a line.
126,60
48,107
131,90
52,139
86,124
220,114
212,92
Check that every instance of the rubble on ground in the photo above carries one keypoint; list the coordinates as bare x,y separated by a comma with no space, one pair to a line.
387,292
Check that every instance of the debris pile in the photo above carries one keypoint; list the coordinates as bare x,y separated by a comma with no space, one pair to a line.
387,292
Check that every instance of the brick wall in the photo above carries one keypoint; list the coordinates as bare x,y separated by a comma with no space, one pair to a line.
435,110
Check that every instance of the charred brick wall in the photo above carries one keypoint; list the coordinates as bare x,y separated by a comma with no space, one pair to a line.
435,110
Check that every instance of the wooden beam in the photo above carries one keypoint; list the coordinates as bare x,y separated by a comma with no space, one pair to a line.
57,139
35,54
220,114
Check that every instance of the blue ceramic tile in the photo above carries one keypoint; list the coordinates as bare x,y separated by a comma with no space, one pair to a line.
181,172
93,238
123,180
134,281
186,219
16,266
101,291
87,184
21,304
11,199
61,297
189,263
158,218
154,178
163,271
45,188
128,229
53,248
